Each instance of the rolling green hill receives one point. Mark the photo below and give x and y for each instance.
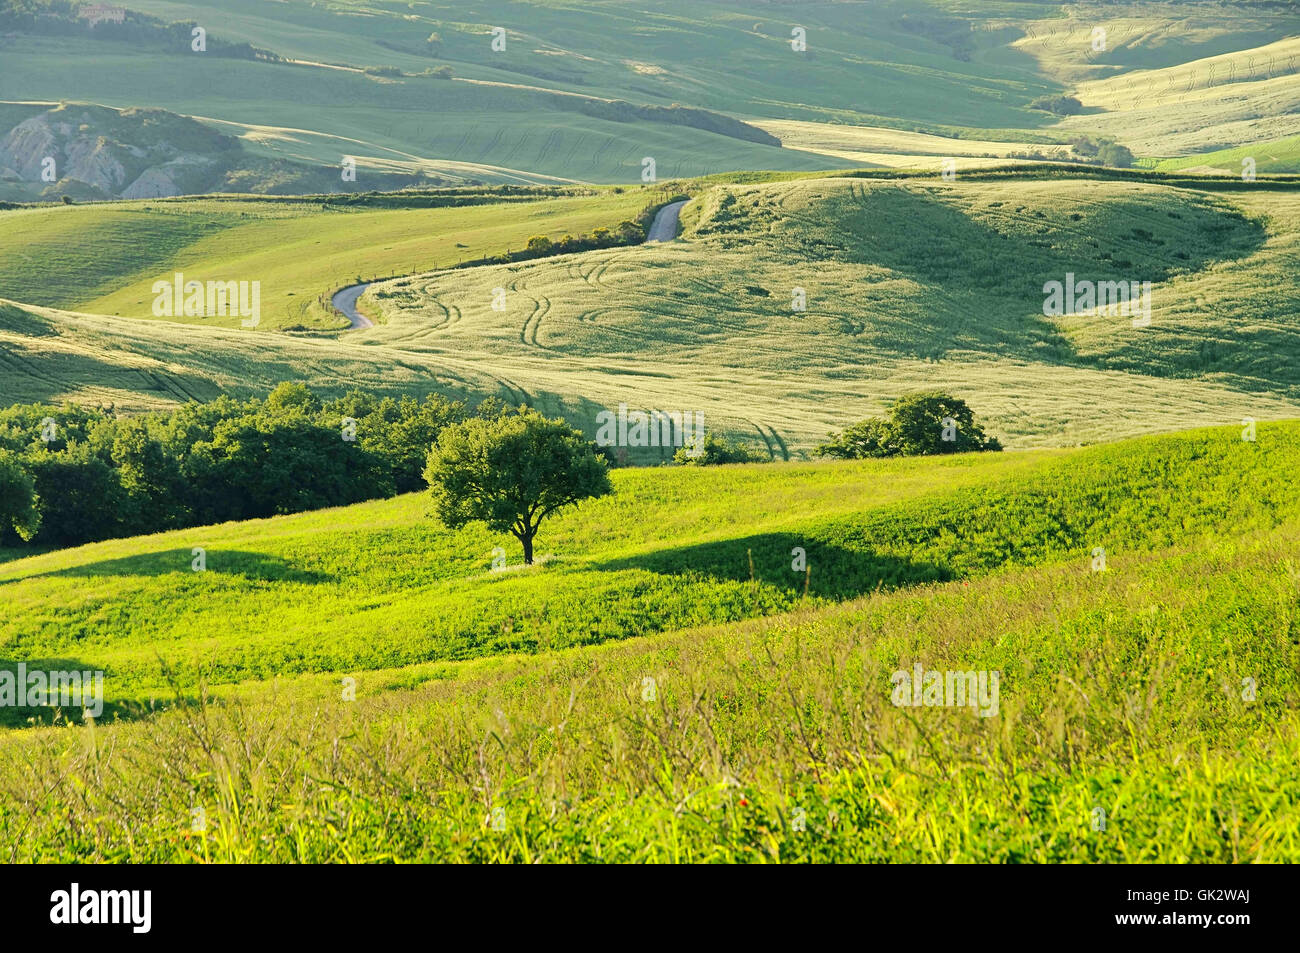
(585, 91)
(653, 558)
(896, 299)
(706, 664)
(1232, 99)
(1281, 155)
(1120, 688)
(106, 258)
(895, 303)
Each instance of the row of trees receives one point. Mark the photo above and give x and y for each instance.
(624, 233)
(73, 475)
(95, 475)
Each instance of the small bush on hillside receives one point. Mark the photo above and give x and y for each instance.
(718, 450)
(1105, 152)
(1113, 154)
(1060, 105)
(918, 425)
(539, 246)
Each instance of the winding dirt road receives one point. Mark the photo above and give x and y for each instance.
(664, 226)
(345, 300)
(662, 229)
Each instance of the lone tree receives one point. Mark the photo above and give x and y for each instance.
(512, 472)
(17, 499)
(918, 425)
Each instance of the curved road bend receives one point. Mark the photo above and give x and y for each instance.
(662, 229)
(664, 226)
(345, 300)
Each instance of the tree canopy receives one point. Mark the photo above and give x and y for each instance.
(99, 475)
(512, 472)
(17, 498)
(917, 425)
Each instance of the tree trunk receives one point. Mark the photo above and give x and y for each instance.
(527, 540)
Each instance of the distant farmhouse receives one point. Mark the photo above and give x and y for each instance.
(99, 13)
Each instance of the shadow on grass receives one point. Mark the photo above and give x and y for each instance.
(836, 571)
(993, 263)
(68, 705)
(221, 562)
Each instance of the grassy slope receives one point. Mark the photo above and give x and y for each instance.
(711, 54)
(891, 309)
(335, 591)
(105, 259)
(263, 607)
(870, 146)
(933, 67)
(1223, 101)
(493, 133)
(1119, 690)
(1281, 155)
(1149, 36)
(895, 303)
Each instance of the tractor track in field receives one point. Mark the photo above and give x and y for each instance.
(528, 333)
(775, 446)
(160, 381)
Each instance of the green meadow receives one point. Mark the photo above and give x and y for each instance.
(1241, 97)
(704, 665)
(662, 686)
(383, 584)
(894, 299)
(1281, 155)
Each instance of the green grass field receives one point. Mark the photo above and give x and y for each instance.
(875, 216)
(895, 302)
(1121, 689)
(1241, 98)
(104, 259)
(1282, 155)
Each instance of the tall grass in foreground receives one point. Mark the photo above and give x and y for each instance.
(764, 740)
